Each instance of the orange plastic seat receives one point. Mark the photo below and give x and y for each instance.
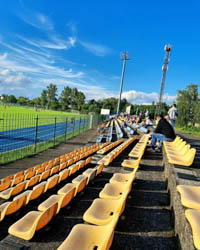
(45, 175)
(52, 182)
(99, 168)
(81, 164)
(33, 181)
(26, 227)
(73, 168)
(55, 170)
(11, 207)
(44, 164)
(88, 160)
(90, 173)
(35, 192)
(17, 180)
(5, 185)
(80, 182)
(64, 174)
(37, 167)
(63, 165)
(49, 166)
(6, 194)
(29, 175)
(19, 174)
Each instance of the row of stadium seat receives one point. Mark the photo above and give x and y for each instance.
(129, 131)
(118, 130)
(179, 153)
(68, 159)
(103, 214)
(110, 146)
(190, 198)
(26, 227)
(23, 199)
(106, 160)
(136, 153)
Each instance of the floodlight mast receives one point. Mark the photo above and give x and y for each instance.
(168, 49)
(123, 56)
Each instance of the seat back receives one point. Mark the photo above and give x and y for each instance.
(38, 190)
(18, 180)
(34, 180)
(100, 168)
(49, 166)
(46, 216)
(6, 184)
(64, 174)
(52, 181)
(55, 169)
(15, 205)
(30, 174)
(45, 174)
(18, 189)
(19, 174)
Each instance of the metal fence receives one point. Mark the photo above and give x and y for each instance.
(23, 134)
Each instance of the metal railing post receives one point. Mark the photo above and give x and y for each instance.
(66, 129)
(36, 132)
(54, 135)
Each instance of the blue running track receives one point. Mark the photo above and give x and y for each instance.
(24, 137)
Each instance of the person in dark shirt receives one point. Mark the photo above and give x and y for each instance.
(163, 132)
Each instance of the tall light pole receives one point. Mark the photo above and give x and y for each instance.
(168, 49)
(123, 56)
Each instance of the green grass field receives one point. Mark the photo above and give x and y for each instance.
(14, 117)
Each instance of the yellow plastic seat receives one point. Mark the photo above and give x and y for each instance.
(114, 191)
(33, 181)
(11, 207)
(85, 237)
(6, 194)
(80, 182)
(181, 152)
(26, 227)
(185, 160)
(123, 178)
(131, 163)
(90, 173)
(35, 192)
(69, 187)
(190, 196)
(45, 175)
(64, 174)
(52, 182)
(193, 216)
(102, 211)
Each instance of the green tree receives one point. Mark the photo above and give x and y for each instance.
(187, 101)
(65, 98)
(22, 100)
(51, 96)
(43, 98)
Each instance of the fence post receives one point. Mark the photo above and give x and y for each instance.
(36, 132)
(66, 129)
(79, 125)
(54, 135)
(83, 124)
(73, 126)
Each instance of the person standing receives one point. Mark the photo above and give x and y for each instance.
(173, 113)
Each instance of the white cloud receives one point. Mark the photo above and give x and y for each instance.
(37, 20)
(96, 49)
(138, 97)
(4, 72)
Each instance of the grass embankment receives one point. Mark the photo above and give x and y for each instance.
(189, 130)
(13, 117)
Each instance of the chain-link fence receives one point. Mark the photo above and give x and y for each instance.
(23, 134)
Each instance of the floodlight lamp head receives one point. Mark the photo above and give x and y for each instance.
(168, 48)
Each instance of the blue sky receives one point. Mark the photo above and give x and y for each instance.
(78, 43)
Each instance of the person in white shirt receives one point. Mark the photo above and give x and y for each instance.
(173, 113)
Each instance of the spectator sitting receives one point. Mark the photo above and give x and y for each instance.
(163, 132)
(148, 122)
